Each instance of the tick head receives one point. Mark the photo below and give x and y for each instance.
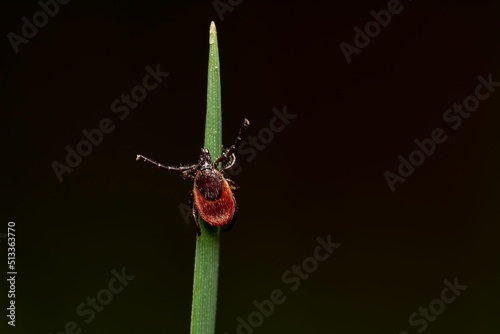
(205, 159)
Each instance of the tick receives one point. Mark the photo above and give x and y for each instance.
(212, 195)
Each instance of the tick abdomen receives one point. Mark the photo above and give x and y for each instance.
(213, 197)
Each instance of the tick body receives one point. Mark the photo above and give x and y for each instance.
(213, 197)
(212, 194)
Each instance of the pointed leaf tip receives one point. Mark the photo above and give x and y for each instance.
(213, 33)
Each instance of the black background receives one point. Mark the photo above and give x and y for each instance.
(322, 175)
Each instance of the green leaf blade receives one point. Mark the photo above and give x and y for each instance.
(206, 269)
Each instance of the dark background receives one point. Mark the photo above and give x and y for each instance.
(322, 175)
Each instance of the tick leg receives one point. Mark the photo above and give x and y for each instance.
(232, 185)
(232, 160)
(187, 171)
(230, 225)
(189, 174)
(194, 214)
(195, 218)
(227, 153)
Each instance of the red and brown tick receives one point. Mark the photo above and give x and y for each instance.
(212, 195)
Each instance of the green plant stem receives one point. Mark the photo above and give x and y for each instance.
(206, 263)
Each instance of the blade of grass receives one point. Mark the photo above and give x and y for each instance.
(206, 263)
